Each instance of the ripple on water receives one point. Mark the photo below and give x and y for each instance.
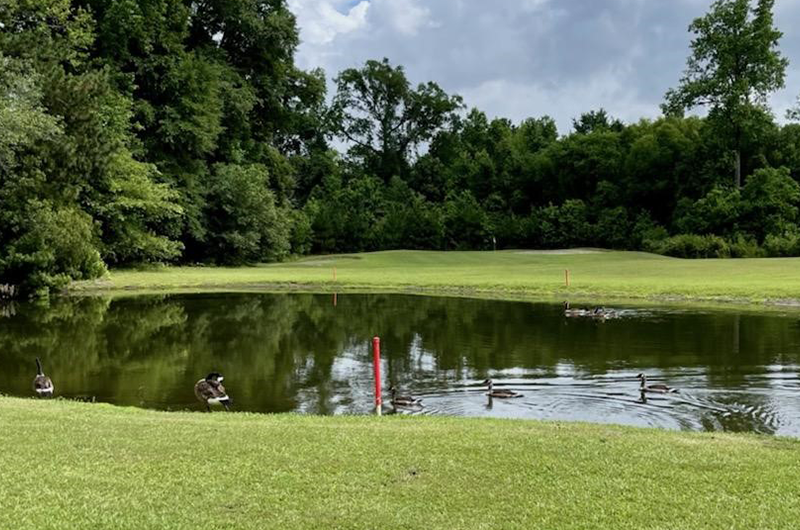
(303, 353)
(612, 398)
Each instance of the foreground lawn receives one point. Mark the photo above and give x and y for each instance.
(74, 465)
(598, 274)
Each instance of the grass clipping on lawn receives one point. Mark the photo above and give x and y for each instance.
(75, 465)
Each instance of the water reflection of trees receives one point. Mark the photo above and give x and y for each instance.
(276, 350)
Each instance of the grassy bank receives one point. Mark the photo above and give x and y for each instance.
(75, 465)
(606, 275)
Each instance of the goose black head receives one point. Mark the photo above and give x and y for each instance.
(214, 376)
(487, 382)
(640, 376)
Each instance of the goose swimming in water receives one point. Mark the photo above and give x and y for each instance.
(403, 401)
(42, 385)
(602, 312)
(568, 311)
(211, 392)
(661, 389)
(502, 394)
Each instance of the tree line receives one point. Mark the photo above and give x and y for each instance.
(142, 131)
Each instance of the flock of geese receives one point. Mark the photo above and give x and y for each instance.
(210, 390)
(585, 312)
(410, 402)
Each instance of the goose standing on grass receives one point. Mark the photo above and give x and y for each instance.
(661, 389)
(211, 392)
(404, 401)
(42, 385)
(502, 394)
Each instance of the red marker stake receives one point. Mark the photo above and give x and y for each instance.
(376, 359)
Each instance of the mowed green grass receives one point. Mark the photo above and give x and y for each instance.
(70, 465)
(603, 274)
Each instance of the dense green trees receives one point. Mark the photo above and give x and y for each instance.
(607, 183)
(214, 83)
(376, 109)
(174, 130)
(244, 223)
(735, 64)
(149, 130)
(72, 190)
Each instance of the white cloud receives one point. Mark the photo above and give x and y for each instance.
(321, 22)
(533, 5)
(405, 16)
(563, 103)
(523, 58)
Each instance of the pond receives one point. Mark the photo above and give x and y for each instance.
(303, 353)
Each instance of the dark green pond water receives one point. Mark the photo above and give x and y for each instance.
(297, 352)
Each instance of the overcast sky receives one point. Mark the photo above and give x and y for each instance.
(522, 58)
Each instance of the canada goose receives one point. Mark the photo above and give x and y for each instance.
(404, 401)
(602, 312)
(502, 394)
(211, 392)
(568, 311)
(661, 389)
(42, 385)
